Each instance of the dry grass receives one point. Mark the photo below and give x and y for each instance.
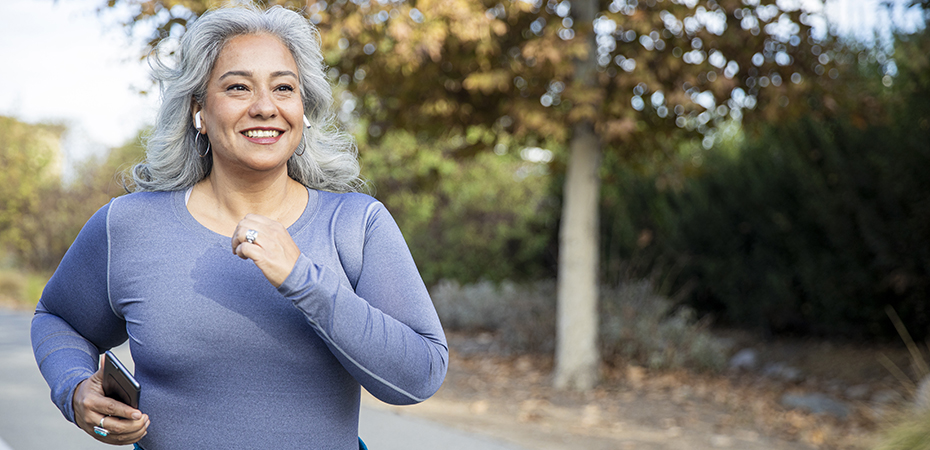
(910, 428)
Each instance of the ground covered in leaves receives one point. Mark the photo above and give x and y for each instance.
(510, 397)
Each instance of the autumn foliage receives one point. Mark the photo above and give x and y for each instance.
(769, 173)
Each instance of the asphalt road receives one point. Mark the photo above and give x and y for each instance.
(29, 420)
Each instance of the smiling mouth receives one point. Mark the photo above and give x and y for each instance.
(261, 133)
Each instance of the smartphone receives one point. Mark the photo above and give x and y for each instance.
(118, 383)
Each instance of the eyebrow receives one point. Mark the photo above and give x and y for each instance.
(234, 73)
(245, 73)
(283, 73)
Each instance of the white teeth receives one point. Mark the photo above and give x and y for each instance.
(262, 133)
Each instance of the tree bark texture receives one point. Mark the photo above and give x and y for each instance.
(577, 359)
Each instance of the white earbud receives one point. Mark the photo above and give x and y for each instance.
(197, 124)
(307, 122)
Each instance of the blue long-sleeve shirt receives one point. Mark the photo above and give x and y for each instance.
(224, 358)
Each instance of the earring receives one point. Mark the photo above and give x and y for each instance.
(307, 122)
(197, 146)
(197, 124)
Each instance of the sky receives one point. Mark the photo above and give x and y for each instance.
(65, 63)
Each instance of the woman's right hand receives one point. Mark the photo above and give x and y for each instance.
(124, 424)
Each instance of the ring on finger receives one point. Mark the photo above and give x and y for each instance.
(100, 430)
(251, 236)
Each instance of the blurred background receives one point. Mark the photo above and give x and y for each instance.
(762, 172)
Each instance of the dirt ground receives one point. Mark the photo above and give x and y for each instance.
(510, 398)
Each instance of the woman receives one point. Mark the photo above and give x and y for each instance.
(257, 292)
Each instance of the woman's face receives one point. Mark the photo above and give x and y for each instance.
(252, 113)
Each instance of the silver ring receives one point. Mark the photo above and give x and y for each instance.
(101, 421)
(251, 236)
(101, 431)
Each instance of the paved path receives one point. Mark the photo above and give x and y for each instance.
(29, 420)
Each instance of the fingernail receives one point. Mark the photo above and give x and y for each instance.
(136, 415)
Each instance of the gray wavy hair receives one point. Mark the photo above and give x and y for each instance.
(326, 158)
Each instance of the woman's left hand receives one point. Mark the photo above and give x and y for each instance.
(272, 248)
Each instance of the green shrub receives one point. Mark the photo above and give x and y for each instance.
(40, 212)
(467, 218)
(810, 227)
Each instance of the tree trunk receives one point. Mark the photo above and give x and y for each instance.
(576, 340)
(577, 359)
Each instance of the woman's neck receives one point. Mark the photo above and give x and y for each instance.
(219, 203)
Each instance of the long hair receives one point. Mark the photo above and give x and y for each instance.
(326, 158)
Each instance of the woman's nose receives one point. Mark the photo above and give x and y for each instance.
(263, 106)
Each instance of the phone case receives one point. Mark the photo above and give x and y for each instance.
(118, 383)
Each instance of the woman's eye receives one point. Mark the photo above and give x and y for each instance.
(236, 87)
(285, 88)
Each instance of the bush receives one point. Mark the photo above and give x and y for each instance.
(637, 326)
(808, 230)
(40, 212)
(30, 167)
(811, 227)
(467, 218)
(522, 315)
